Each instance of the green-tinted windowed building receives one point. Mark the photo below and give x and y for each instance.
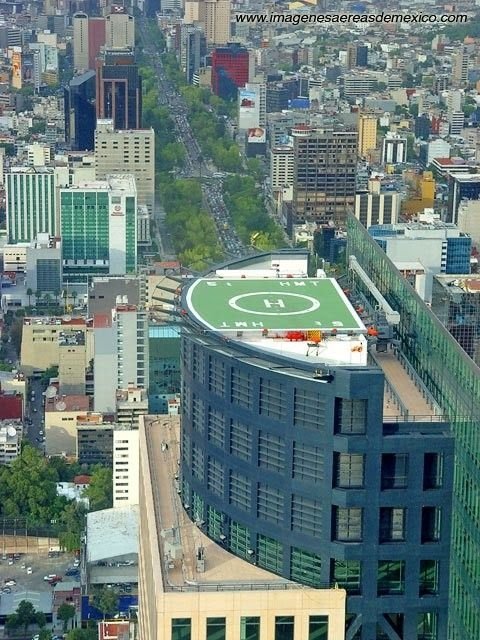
(453, 379)
(99, 228)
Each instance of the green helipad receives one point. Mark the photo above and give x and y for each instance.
(277, 304)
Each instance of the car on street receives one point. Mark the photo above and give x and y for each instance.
(6, 590)
(29, 571)
(9, 582)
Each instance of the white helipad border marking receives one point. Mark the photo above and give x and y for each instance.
(315, 304)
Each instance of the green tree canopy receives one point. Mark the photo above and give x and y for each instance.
(100, 489)
(65, 613)
(106, 601)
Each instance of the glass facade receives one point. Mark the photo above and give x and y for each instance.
(216, 628)
(284, 627)
(31, 205)
(318, 628)
(453, 379)
(250, 628)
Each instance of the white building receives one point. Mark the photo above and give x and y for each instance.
(126, 470)
(121, 348)
(281, 167)
(438, 148)
(468, 219)
(10, 440)
(252, 106)
(394, 149)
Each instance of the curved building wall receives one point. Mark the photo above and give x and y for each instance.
(285, 470)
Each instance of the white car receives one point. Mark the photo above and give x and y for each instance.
(10, 583)
(29, 571)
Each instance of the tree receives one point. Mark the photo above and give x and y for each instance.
(47, 299)
(29, 294)
(65, 613)
(100, 489)
(82, 634)
(45, 634)
(51, 372)
(106, 601)
(40, 619)
(26, 614)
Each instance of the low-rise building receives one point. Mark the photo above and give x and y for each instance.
(61, 416)
(10, 440)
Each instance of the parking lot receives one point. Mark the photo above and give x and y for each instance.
(41, 566)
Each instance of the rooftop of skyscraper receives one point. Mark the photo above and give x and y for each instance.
(191, 560)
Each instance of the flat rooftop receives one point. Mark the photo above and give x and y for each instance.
(179, 538)
(278, 304)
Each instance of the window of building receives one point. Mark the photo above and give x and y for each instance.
(394, 470)
(181, 629)
(348, 470)
(240, 440)
(431, 524)
(284, 627)
(308, 409)
(306, 515)
(347, 574)
(432, 471)
(305, 567)
(429, 574)
(250, 628)
(240, 491)
(197, 462)
(216, 427)
(350, 416)
(198, 414)
(269, 554)
(215, 476)
(271, 451)
(427, 625)
(318, 628)
(391, 577)
(239, 539)
(308, 462)
(269, 503)
(216, 376)
(347, 524)
(242, 388)
(392, 524)
(272, 399)
(216, 628)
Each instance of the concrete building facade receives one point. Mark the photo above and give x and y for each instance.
(127, 152)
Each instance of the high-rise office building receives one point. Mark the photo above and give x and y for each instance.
(119, 31)
(119, 88)
(461, 186)
(79, 101)
(367, 133)
(31, 203)
(121, 347)
(130, 151)
(324, 174)
(281, 167)
(378, 205)
(80, 41)
(460, 64)
(192, 50)
(394, 149)
(299, 456)
(99, 228)
(125, 466)
(190, 586)
(452, 378)
(213, 16)
(230, 67)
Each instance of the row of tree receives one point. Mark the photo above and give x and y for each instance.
(192, 229)
(252, 222)
(28, 492)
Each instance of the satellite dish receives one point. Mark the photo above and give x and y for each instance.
(11, 431)
(60, 406)
(51, 392)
